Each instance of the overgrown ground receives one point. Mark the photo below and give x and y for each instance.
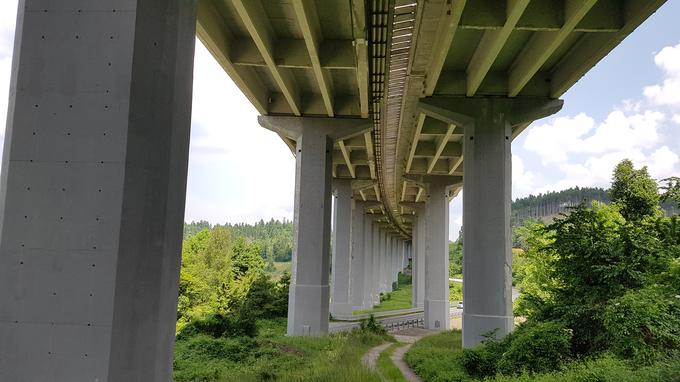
(271, 356)
(439, 358)
(401, 298)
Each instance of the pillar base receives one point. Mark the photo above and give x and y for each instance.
(474, 325)
(437, 314)
(306, 313)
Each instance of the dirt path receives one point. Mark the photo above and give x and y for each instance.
(371, 357)
(397, 358)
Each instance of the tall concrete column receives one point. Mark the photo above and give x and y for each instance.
(358, 264)
(93, 189)
(383, 262)
(437, 257)
(308, 301)
(487, 260)
(419, 257)
(369, 289)
(376, 283)
(342, 246)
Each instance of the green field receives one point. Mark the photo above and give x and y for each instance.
(395, 300)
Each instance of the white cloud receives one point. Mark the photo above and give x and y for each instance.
(238, 171)
(523, 182)
(676, 118)
(555, 141)
(667, 93)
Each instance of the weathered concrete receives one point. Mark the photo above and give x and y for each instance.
(487, 260)
(342, 246)
(375, 284)
(437, 256)
(308, 302)
(357, 256)
(419, 234)
(93, 189)
(369, 287)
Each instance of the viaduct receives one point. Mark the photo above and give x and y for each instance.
(390, 107)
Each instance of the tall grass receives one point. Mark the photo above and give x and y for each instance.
(271, 356)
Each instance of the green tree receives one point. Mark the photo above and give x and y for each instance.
(671, 190)
(634, 191)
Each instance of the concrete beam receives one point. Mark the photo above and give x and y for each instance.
(335, 128)
(254, 18)
(446, 30)
(491, 44)
(543, 44)
(305, 12)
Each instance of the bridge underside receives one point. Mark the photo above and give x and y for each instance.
(392, 106)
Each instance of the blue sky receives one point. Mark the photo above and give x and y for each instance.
(627, 106)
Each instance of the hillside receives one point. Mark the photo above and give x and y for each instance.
(546, 206)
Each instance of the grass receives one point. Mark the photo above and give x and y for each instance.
(387, 368)
(437, 358)
(271, 356)
(279, 268)
(398, 299)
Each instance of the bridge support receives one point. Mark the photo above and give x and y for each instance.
(342, 246)
(487, 258)
(357, 256)
(376, 281)
(437, 305)
(308, 302)
(93, 190)
(418, 261)
(369, 289)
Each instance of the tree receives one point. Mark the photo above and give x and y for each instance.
(634, 191)
(671, 190)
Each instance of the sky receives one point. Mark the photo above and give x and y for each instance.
(628, 106)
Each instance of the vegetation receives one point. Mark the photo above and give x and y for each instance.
(387, 369)
(439, 358)
(400, 298)
(272, 356)
(600, 289)
(274, 238)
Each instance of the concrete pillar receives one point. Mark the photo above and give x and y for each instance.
(342, 245)
(376, 283)
(487, 269)
(383, 262)
(437, 258)
(308, 301)
(419, 258)
(369, 288)
(93, 189)
(357, 266)
(309, 295)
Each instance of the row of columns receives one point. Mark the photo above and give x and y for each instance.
(93, 188)
(359, 245)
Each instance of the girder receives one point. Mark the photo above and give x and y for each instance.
(379, 59)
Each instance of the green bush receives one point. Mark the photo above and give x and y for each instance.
(372, 326)
(482, 361)
(217, 325)
(643, 322)
(536, 348)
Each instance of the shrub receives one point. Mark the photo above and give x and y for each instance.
(240, 323)
(643, 322)
(482, 361)
(536, 348)
(372, 326)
